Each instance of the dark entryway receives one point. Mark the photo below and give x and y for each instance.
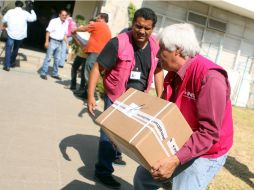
(45, 10)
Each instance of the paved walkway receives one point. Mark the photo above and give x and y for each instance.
(47, 139)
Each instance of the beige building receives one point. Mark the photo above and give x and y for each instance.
(225, 29)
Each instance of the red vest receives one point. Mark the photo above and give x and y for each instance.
(115, 80)
(189, 91)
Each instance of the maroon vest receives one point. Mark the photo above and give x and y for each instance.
(189, 91)
(115, 80)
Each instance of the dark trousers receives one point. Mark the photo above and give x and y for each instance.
(79, 61)
(107, 153)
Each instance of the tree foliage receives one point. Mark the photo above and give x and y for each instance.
(131, 11)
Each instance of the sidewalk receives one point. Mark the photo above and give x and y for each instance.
(47, 139)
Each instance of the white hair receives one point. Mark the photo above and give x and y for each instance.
(180, 36)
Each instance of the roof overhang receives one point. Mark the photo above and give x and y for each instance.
(240, 7)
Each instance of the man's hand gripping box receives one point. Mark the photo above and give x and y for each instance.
(144, 127)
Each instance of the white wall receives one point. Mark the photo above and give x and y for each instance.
(118, 13)
(232, 49)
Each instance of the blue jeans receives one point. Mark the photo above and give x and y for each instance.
(11, 51)
(63, 53)
(195, 175)
(107, 153)
(90, 61)
(53, 49)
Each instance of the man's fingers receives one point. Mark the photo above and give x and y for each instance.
(91, 109)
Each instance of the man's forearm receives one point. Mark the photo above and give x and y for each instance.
(158, 81)
(32, 16)
(47, 37)
(82, 29)
(94, 77)
(66, 40)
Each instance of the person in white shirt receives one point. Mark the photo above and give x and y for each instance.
(56, 33)
(16, 22)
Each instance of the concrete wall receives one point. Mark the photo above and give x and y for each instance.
(85, 8)
(118, 13)
(233, 48)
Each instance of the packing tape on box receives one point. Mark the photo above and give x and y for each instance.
(133, 111)
(145, 119)
(119, 105)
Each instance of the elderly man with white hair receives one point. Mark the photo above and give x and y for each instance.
(201, 90)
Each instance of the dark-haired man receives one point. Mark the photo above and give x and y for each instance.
(129, 60)
(16, 21)
(55, 35)
(99, 35)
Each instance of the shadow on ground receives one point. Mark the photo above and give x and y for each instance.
(50, 70)
(86, 146)
(65, 83)
(20, 57)
(85, 110)
(239, 170)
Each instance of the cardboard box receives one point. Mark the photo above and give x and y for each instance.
(82, 38)
(144, 127)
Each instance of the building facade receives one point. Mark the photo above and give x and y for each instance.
(225, 31)
(224, 28)
(225, 37)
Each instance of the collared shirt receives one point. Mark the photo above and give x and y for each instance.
(57, 28)
(210, 104)
(16, 20)
(177, 80)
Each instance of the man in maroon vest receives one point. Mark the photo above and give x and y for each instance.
(201, 90)
(128, 61)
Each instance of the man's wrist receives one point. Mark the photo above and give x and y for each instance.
(176, 160)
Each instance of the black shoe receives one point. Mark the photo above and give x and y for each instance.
(72, 87)
(56, 77)
(78, 92)
(13, 66)
(119, 161)
(44, 77)
(6, 69)
(108, 181)
(60, 66)
(81, 94)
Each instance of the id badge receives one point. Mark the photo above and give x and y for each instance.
(135, 75)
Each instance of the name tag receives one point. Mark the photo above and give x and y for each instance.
(135, 75)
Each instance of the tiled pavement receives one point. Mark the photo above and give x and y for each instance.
(47, 139)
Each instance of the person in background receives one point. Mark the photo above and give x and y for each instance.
(55, 35)
(64, 51)
(201, 90)
(53, 13)
(16, 30)
(99, 35)
(79, 60)
(127, 61)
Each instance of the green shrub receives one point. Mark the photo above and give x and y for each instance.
(80, 20)
(100, 87)
(131, 11)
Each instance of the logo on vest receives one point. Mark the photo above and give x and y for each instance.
(189, 95)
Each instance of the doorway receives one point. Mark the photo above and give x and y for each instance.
(45, 10)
